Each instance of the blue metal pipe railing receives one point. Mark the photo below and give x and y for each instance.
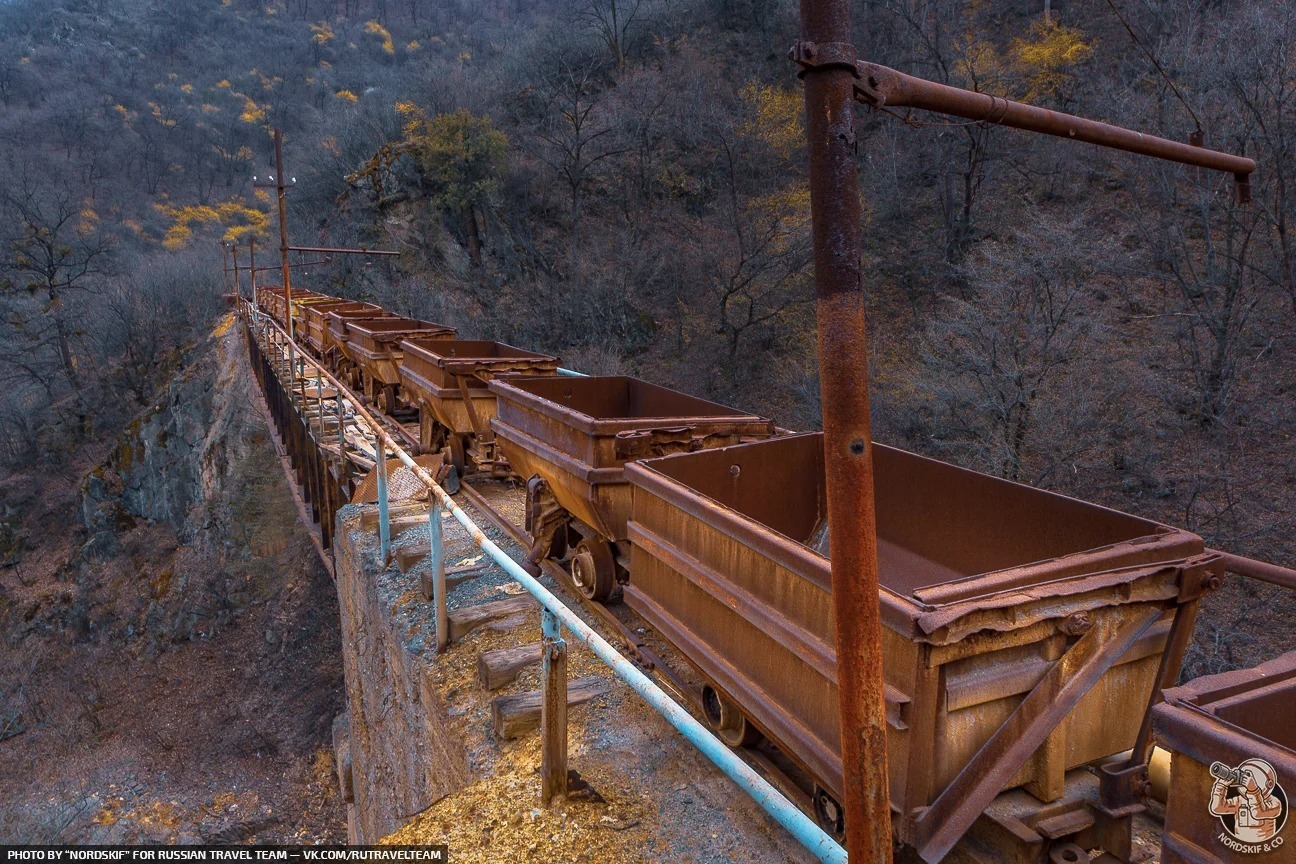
(787, 814)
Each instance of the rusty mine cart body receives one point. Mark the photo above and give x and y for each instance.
(573, 437)
(448, 379)
(1213, 726)
(373, 346)
(995, 597)
(318, 335)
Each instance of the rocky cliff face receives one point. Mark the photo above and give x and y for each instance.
(171, 660)
(179, 454)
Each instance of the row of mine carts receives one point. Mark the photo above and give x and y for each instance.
(1027, 636)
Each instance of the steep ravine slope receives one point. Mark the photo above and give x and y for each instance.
(171, 667)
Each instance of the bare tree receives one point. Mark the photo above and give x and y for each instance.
(576, 136)
(54, 252)
(1011, 371)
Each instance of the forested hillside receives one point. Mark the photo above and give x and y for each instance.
(623, 182)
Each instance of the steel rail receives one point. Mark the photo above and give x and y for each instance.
(801, 827)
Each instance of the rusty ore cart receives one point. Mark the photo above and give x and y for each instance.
(374, 345)
(318, 334)
(1213, 727)
(1022, 630)
(573, 436)
(302, 307)
(339, 337)
(447, 378)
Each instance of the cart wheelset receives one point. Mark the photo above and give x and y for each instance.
(593, 569)
(727, 720)
(829, 814)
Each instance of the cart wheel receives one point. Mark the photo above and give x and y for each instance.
(389, 399)
(457, 457)
(730, 724)
(828, 813)
(594, 569)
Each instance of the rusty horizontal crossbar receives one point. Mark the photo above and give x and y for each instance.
(330, 250)
(883, 87)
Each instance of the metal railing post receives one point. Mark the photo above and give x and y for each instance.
(384, 515)
(436, 591)
(553, 711)
(341, 412)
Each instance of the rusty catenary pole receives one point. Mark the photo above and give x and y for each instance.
(848, 447)
(283, 228)
(252, 265)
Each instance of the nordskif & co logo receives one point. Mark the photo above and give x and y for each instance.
(1251, 805)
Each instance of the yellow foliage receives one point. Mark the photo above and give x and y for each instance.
(465, 56)
(1046, 56)
(330, 145)
(409, 109)
(239, 221)
(412, 45)
(378, 30)
(89, 218)
(122, 110)
(322, 33)
(209, 108)
(788, 208)
(224, 82)
(775, 118)
(223, 326)
(162, 120)
(186, 88)
(252, 112)
(347, 96)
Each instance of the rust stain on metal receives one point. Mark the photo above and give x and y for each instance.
(1214, 727)
(984, 584)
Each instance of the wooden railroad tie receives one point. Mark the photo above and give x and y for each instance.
(469, 618)
(502, 666)
(517, 715)
(399, 524)
(455, 577)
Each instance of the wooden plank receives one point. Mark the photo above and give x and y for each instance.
(451, 582)
(553, 722)
(501, 666)
(469, 618)
(517, 715)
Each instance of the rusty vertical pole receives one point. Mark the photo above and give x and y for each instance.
(283, 228)
(828, 59)
(252, 265)
(237, 287)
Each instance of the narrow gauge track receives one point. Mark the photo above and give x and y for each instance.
(764, 758)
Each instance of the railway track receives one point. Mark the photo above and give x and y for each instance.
(358, 452)
(765, 760)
